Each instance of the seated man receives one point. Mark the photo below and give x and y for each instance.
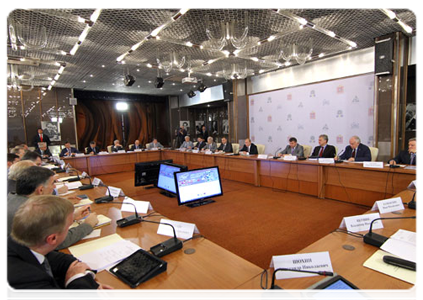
(41, 181)
(187, 144)
(10, 159)
(155, 145)
(211, 145)
(293, 149)
(19, 151)
(249, 148)
(34, 157)
(356, 151)
(116, 146)
(407, 157)
(68, 151)
(40, 225)
(14, 172)
(92, 148)
(200, 143)
(324, 150)
(135, 146)
(225, 146)
(43, 150)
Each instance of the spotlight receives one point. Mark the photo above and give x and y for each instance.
(191, 94)
(159, 82)
(129, 80)
(202, 87)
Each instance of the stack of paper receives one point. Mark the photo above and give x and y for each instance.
(102, 221)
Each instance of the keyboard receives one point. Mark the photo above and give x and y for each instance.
(138, 268)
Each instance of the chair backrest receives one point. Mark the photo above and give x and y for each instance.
(55, 150)
(307, 150)
(374, 152)
(109, 148)
(130, 145)
(147, 145)
(218, 145)
(260, 148)
(86, 149)
(235, 148)
(336, 150)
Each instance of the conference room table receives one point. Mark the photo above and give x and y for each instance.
(349, 182)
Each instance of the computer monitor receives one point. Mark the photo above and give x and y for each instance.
(166, 180)
(195, 186)
(147, 173)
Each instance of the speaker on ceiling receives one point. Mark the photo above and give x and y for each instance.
(129, 80)
(227, 91)
(159, 82)
(384, 51)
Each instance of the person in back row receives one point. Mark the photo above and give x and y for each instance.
(225, 146)
(324, 150)
(92, 149)
(356, 151)
(41, 181)
(155, 145)
(249, 148)
(407, 157)
(293, 149)
(39, 226)
(11, 159)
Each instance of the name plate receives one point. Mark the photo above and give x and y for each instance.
(96, 181)
(326, 160)
(262, 156)
(388, 205)
(373, 164)
(141, 206)
(195, 151)
(115, 192)
(412, 185)
(79, 154)
(317, 261)
(137, 150)
(361, 222)
(208, 152)
(183, 230)
(103, 153)
(290, 157)
(154, 148)
(121, 151)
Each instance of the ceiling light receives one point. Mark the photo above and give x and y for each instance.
(103, 66)
(389, 13)
(271, 38)
(74, 49)
(331, 33)
(81, 20)
(407, 28)
(189, 44)
(321, 54)
(183, 11)
(254, 58)
(121, 106)
(149, 65)
(156, 31)
(56, 77)
(84, 33)
(95, 15)
(122, 57)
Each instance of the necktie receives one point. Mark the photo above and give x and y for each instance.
(41, 137)
(47, 268)
(353, 153)
(292, 150)
(412, 158)
(321, 152)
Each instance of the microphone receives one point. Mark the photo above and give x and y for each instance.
(131, 220)
(168, 246)
(339, 160)
(412, 203)
(104, 199)
(86, 186)
(275, 292)
(276, 157)
(375, 239)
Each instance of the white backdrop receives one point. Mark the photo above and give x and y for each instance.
(339, 108)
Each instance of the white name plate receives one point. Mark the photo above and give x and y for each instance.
(361, 222)
(79, 154)
(412, 185)
(115, 192)
(388, 205)
(317, 261)
(208, 152)
(183, 230)
(137, 150)
(373, 164)
(121, 151)
(326, 160)
(141, 206)
(96, 181)
(103, 153)
(262, 156)
(290, 157)
(195, 151)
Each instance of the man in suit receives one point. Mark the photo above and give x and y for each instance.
(14, 172)
(200, 143)
(180, 135)
(204, 133)
(155, 145)
(92, 148)
(225, 146)
(293, 149)
(40, 138)
(43, 151)
(34, 157)
(40, 225)
(11, 159)
(34, 181)
(135, 146)
(249, 148)
(211, 145)
(68, 151)
(116, 146)
(187, 144)
(324, 150)
(406, 157)
(356, 151)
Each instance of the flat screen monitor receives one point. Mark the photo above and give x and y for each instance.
(147, 173)
(193, 187)
(166, 180)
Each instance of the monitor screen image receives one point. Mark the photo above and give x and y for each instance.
(147, 173)
(166, 179)
(197, 185)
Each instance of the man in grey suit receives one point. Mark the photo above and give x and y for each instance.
(155, 145)
(187, 144)
(211, 145)
(293, 148)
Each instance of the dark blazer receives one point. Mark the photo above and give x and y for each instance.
(116, 149)
(200, 145)
(253, 149)
(46, 152)
(404, 158)
(133, 147)
(228, 147)
(362, 153)
(205, 134)
(64, 150)
(329, 151)
(37, 140)
(25, 272)
(95, 150)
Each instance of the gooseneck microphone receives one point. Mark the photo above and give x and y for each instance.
(275, 292)
(412, 203)
(168, 246)
(87, 186)
(340, 160)
(276, 157)
(104, 199)
(375, 239)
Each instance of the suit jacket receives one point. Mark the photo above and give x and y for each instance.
(24, 271)
(362, 153)
(64, 150)
(404, 157)
(94, 150)
(298, 150)
(46, 152)
(37, 140)
(200, 145)
(152, 146)
(186, 144)
(116, 149)
(253, 149)
(226, 148)
(212, 147)
(329, 151)
(204, 134)
(133, 147)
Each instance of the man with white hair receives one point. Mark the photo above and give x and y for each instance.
(356, 151)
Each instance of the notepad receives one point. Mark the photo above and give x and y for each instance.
(102, 221)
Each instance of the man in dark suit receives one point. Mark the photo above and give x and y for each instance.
(356, 151)
(40, 138)
(201, 143)
(180, 135)
(249, 148)
(92, 148)
(43, 151)
(68, 151)
(116, 146)
(406, 157)
(204, 133)
(324, 150)
(225, 146)
(135, 146)
(40, 224)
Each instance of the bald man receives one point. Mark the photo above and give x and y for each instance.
(356, 151)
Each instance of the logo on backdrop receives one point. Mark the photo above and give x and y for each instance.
(339, 114)
(340, 89)
(340, 139)
(325, 128)
(326, 102)
(371, 111)
(289, 97)
(299, 127)
(279, 128)
(279, 107)
(370, 140)
(270, 140)
(355, 125)
(252, 120)
(261, 109)
(269, 100)
(300, 105)
(312, 115)
(289, 118)
(252, 102)
(260, 128)
(312, 139)
(312, 94)
(355, 100)
(269, 118)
